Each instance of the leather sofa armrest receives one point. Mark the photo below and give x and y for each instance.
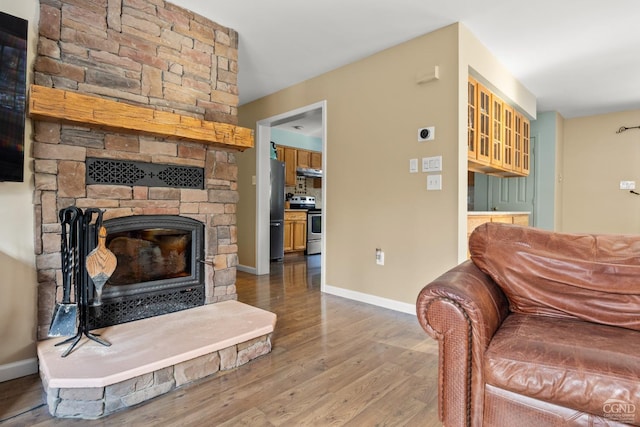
(462, 309)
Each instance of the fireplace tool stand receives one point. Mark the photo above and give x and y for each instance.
(83, 239)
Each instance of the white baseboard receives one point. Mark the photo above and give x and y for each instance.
(21, 368)
(247, 269)
(402, 307)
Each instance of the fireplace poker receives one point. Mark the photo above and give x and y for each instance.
(65, 316)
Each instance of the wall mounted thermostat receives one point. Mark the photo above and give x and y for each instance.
(427, 134)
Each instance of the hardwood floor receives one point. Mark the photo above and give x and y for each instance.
(334, 362)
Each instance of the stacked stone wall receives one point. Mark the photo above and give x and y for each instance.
(149, 53)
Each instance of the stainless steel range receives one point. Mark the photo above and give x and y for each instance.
(314, 222)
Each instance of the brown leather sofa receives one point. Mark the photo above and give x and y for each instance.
(538, 329)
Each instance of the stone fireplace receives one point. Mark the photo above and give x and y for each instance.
(160, 268)
(174, 75)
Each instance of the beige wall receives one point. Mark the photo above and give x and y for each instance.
(595, 160)
(374, 109)
(17, 260)
(246, 209)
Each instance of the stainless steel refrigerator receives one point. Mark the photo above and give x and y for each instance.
(277, 210)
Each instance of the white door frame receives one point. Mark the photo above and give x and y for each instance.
(263, 181)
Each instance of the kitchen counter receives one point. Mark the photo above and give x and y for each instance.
(485, 213)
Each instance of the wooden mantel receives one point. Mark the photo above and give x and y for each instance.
(63, 106)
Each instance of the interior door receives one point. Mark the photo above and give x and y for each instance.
(515, 194)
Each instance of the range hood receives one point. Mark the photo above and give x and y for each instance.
(309, 172)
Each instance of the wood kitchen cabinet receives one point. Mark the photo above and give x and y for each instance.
(507, 140)
(472, 114)
(497, 132)
(295, 230)
(521, 144)
(484, 125)
(316, 163)
(498, 141)
(309, 159)
(297, 158)
(526, 147)
(316, 160)
(304, 159)
(517, 142)
(290, 165)
(280, 153)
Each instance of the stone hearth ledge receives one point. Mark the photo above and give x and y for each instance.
(150, 357)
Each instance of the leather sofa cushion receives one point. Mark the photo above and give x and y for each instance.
(567, 362)
(585, 276)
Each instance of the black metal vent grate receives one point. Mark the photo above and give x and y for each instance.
(128, 309)
(125, 172)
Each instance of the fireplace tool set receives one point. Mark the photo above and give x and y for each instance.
(87, 264)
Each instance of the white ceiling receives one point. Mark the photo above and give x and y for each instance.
(579, 57)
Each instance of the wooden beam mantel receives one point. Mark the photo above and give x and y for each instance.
(63, 106)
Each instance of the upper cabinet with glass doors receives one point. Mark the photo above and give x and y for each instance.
(498, 135)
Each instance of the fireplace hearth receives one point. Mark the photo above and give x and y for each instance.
(160, 268)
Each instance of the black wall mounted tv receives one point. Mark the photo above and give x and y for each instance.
(13, 59)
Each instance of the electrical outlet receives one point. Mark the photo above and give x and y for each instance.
(379, 256)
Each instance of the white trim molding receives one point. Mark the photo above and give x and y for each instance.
(21, 368)
(402, 307)
(246, 269)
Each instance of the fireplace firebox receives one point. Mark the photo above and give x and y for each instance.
(159, 271)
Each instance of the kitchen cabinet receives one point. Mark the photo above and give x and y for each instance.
(497, 132)
(316, 160)
(483, 135)
(521, 144)
(304, 159)
(309, 159)
(498, 140)
(290, 165)
(507, 140)
(298, 158)
(526, 147)
(472, 114)
(316, 163)
(295, 230)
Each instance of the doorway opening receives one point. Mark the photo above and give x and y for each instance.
(263, 156)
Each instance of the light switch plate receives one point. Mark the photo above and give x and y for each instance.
(413, 165)
(432, 164)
